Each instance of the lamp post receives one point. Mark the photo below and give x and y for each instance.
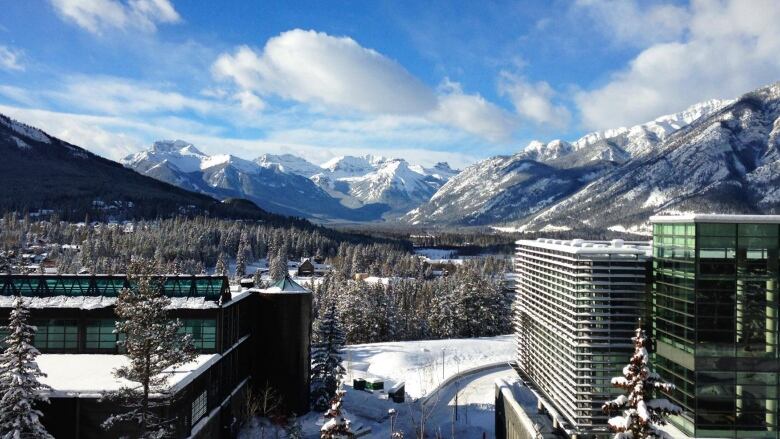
(442, 363)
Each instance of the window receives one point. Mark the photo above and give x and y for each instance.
(199, 407)
(57, 334)
(100, 334)
(203, 331)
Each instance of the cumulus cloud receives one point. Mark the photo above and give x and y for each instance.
(309, 66)
(634, 23)
(97, 16)
(319, 69)
(10, 59)
(472, 113)
(728, 49)
(534, 100)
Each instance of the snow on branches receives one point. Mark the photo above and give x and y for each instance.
(642, 415)
(337, 426)
(154, 344)
(326, 368)
(19, 386)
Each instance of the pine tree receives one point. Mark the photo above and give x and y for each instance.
(641, 415)
(153, 344)
(277, 268)
(221, 268)
(326, 368)
(19, 384)
(241, 254)
(337, 426)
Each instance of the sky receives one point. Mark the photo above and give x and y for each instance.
(428, 81)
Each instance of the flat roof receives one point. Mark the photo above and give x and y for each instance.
(91, 375)
(716, 218)
(582, 246)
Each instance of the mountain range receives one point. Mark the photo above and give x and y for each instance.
(40, 172)
(715, 156)
(347, 188)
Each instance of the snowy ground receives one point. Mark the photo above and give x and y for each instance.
(419, 364)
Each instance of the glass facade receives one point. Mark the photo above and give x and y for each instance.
(99, 334)
(203, 331)
(55, 334)
(715, 324)
(36, 285)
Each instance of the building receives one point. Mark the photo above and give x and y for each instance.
(715, 308)
(236, 333)
(576, 307)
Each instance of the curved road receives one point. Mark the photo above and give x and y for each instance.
(476, 405)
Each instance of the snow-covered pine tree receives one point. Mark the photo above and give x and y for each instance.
(221, 268)
(154, 344)
(642, 414)
(337, 426)
(19, 384)
(326, 368)
(277, 268)
(241, 255)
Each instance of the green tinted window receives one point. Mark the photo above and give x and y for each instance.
(100, 334)
(710, 229)
(57, 334)
(203, 331)
(769, 230)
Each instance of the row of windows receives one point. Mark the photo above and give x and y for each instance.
(57, 334)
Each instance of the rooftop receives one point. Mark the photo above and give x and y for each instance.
(287, 286)
(716, 218)
(581, 246)
(90, 375)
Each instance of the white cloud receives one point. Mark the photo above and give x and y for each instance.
(314, 67)
(534, 101)
(10, 59)
(117, 136)
(729, 49)
(98, 16)
(318, 69)
(631, 22)
(472, 113)
(111, 95)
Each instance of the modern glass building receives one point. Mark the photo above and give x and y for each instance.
(715, 307)
(576, 309)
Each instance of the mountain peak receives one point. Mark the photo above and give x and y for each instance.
(175, 146)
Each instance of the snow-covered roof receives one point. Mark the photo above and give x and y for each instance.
(581, 246)
(95, 302)
(286, 286)
(90, 375)
(715, 218)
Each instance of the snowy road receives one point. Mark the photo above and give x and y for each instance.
(476, 405)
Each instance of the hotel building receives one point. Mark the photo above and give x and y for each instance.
(577, 306)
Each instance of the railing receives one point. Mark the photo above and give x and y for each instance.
(109, 285)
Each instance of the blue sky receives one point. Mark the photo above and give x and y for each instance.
(429, 81)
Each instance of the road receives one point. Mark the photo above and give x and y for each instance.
(476, 405)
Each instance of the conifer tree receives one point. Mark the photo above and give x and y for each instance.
(19, 385)
(154, 344)
(241, 255)
(221, 268)
(278, 265)
(326, 368)
(642, 414)
(337, 426)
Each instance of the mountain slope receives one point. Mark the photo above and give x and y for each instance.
(42, 172)
(511, 188)
(728, 161)
(271, 185)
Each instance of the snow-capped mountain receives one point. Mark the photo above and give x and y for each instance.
(270, 184)
(344, 188)
(289, 163)
(726, 161)
(509, 188)
(372, 179)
